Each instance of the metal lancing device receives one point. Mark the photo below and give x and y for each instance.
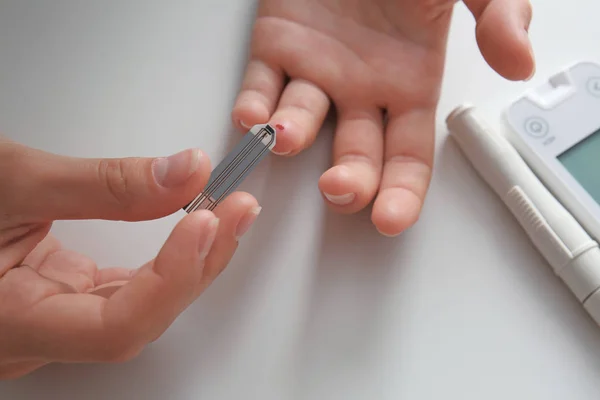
(235, 167)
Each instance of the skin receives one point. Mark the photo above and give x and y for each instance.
(55, 304)
(379, 62)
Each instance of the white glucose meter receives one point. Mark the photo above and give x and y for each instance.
(556, 129)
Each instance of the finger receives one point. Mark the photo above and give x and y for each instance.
(154, 303)
(351, 184)
(502, 35)
(45, 186)
(299, 117)
(237, 214)
(162, 290)
(407, 171)
(259, 95)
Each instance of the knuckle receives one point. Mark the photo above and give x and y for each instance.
(357, 156)
(416, 162)
(112, 173)
(302, 108)
(261, 93)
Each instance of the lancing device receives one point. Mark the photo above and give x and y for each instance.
(562, 241)
(235, 167)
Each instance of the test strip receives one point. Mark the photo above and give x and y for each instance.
(235, 167)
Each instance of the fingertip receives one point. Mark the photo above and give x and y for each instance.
(258, 97)
(237, 213)
(342, 190)
(395, 210)
(181, 175)
(238, 199)
(194, 233)
(248, 112)
(302, 110)
(174, 181)
(181, 246)
(198, 219)
(503, 39)
(512, 58)
(203, 167)
(196, 182)
(233, 209)
(290, 138)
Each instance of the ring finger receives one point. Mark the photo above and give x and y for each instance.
(352, 183)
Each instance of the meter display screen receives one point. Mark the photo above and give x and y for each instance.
(583, 162)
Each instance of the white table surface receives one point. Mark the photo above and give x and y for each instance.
(314, 305)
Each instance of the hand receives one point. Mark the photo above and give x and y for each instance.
(55, 304)
(380, 62)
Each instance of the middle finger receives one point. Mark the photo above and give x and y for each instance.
(352, 183)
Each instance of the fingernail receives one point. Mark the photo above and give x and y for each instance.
(245, 125)
(341, 200)
(246, 222)
(208, 238)
(389, 235)
(283, 153)
(175, 170)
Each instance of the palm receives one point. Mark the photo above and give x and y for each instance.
(50, 289)
(364, 55)
(53, 271)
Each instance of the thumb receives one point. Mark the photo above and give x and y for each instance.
(39, 186)
(502, 36)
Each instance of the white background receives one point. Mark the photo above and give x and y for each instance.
(314, 305)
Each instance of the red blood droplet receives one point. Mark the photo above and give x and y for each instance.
(280, 127)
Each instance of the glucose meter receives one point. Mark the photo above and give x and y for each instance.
(556, 129)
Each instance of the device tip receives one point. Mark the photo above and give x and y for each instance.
(457, 111)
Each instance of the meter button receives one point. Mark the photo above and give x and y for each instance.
(593, 86)
(536, 127)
